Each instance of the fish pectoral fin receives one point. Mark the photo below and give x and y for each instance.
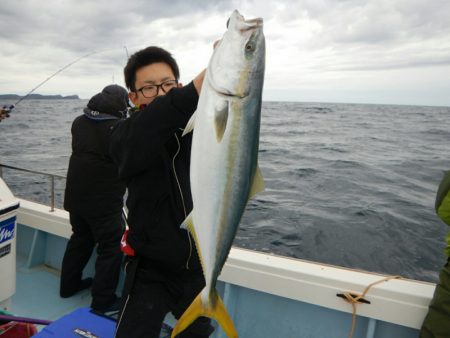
(258, 183)
(189, 126)
(220, 119)
(215, 309)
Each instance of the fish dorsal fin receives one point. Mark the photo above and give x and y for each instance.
(220, 119)
(190, 125)
(258, 183)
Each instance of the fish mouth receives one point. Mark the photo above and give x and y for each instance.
(250, 25)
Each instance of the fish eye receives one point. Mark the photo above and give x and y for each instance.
(250, 47)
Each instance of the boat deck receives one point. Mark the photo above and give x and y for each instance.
(36, 293)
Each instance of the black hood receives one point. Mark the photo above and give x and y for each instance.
(113, 100)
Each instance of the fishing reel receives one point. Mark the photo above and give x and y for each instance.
(6, 109)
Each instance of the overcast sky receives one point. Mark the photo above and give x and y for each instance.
(374, 51)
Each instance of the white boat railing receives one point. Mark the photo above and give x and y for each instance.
(51, 176)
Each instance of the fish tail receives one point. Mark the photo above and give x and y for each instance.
(215, 309)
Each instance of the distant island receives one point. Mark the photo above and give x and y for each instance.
(38, 97)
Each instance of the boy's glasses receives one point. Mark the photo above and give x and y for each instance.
(150, 91)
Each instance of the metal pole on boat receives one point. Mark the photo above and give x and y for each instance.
(52, 194)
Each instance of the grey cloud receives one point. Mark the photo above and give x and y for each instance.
(88, 25)
(370, 22)
(373, 35)
(38, 37)
(398, 64)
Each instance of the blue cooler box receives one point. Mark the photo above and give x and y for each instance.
(80, 323)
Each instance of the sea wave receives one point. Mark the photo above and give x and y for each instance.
(346, 184)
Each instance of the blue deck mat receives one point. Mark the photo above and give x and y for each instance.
(87, 324)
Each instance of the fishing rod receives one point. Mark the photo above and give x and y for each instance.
(8, 108)
(53, 75)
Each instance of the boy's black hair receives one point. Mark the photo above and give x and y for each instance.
(144, 58)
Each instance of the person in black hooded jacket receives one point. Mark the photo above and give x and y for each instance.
(94, 198)
(163, 272)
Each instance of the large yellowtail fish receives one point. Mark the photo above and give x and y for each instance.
(224, 158)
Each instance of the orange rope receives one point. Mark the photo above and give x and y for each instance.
(353, 300)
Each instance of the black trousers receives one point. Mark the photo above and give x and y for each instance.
(106, 231)
(150, 294)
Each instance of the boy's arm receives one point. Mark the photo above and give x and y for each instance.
(198, 81)
(136, 141)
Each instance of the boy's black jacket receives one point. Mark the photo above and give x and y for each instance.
(154, 159)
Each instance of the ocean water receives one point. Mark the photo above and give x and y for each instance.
(347, 184)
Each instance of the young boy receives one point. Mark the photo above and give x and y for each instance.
(163, 271)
